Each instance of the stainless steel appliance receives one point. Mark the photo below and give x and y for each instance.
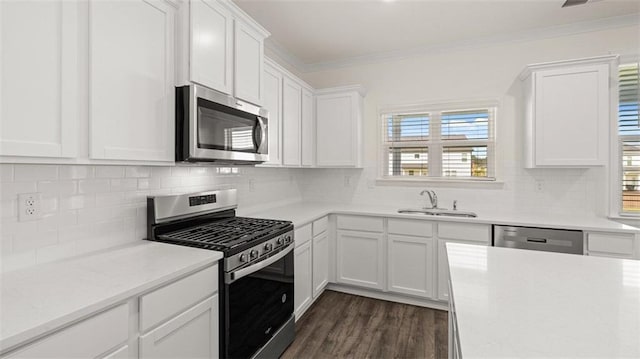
(256, 276)
(539, 239)
(214, 127)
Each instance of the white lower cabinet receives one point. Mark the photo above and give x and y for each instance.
(91, 338)
(617, 245)
(120, 353)
(410, 265)
(320, 263)
(443, 271)
(192, 334)
(178, 320)
(303, 290)
(360, 259)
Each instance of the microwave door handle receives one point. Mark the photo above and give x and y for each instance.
(259, 139)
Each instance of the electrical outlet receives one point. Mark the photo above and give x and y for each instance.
(252, 185)
(347, 181)
(29, 207)
(539, 186)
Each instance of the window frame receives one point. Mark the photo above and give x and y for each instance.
(435, 144)
(616, 194)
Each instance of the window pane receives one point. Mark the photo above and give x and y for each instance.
(629, 97)
(631, 176)
(407, 127)
(465, 125)
(408, 161)
(464, 161)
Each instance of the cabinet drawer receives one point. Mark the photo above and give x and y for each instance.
(320, 226)
(610, 243)
(358, 223)
(166, 302)
(87, 339)
(192, 334)
(302, 235)
(464, 231)
(410, 227)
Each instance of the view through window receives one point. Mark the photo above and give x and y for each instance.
(629, 136)
(451, 144)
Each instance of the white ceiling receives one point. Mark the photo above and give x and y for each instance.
(313, 33)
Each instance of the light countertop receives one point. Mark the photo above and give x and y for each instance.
(519, 303)
(301, 213)
(36, 300)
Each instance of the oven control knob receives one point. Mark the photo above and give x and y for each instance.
(279, 241)
(268, 247)
(253, 254)
(243, 257)
(288, 238)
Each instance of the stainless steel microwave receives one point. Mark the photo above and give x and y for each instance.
(214, 127)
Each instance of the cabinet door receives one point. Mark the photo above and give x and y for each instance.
(308, 129)
(336, 130)
(131, 92)
(211, 45)
(122, 353)
(572, 116)
(249, 47)
(39, 62)
(411, 265)
(303, 284)
(361, 259)
(192, 334)
(443, 271)
(291, 112)
(273, 103)
(320, 263)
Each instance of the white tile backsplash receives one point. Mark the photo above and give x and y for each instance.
(89, 208)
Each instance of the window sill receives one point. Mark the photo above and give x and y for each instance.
(623, 216)
(438, 182)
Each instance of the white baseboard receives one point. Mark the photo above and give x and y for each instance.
(391, 297)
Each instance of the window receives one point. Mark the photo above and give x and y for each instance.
(629, 137)
(446, 143)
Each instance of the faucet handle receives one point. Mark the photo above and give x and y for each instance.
(455, 204)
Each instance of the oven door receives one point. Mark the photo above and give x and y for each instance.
(224, 129)
(258, 304)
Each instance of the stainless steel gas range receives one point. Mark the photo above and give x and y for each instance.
(256, 306)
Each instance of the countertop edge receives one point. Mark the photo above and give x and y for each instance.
(337, 209)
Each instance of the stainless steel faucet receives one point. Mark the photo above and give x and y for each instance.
(432, 197)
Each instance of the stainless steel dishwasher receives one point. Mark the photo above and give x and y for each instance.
(539, 239)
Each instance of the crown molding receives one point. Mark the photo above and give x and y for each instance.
(520, 36)
(278, 51)
(605, 59)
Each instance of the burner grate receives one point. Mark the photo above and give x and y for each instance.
(225, 234)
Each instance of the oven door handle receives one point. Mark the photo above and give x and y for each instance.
(234, 276)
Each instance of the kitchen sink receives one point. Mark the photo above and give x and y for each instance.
(439, 212)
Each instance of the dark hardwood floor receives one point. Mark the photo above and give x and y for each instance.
(341, 325)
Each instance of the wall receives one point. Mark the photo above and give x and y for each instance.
(487, 72)
(88, 208)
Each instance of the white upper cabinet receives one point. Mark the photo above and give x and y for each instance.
(222, 48)
(273, 104)
(568, 111)
(308, 129)
(131, 69)
(339, 127)
(39, 47)
(211, 45)
(291, 122)
(249, 53)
